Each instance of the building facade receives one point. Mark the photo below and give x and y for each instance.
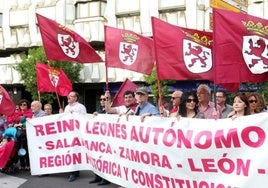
(19, 30)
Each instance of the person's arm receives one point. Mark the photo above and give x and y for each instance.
(108, 108)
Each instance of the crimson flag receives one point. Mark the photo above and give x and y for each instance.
(63, 44)
(181, 53)
(51, 79)
(7, 106)
(128, 50)
(240, 48)
(119, 98)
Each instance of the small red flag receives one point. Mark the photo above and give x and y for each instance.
(240, 48)
(128, 50)
(7, 106)
(119, 98)
(63, 44)
(51, 79)
(181, 53)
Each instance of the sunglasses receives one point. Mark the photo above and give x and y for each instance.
(23, 104)
(190, 100)
(252, 101)
(102, 99)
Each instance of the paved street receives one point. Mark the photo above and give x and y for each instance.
(25, 180)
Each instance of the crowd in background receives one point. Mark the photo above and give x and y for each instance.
(190, 104)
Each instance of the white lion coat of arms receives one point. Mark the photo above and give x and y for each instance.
(197, 58)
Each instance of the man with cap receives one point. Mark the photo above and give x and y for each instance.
(144, 108)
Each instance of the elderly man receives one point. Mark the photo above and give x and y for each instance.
(176, 99)
(205, 105)
(36, 107)
(144, 108)
(48, 109)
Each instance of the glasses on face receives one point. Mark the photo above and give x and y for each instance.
(190, 100)
(102, 99)
(219, 96)
(252, 101)
(175, 98)
(23, 104)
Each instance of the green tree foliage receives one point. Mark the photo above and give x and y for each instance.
(26, 68)
(151, 80)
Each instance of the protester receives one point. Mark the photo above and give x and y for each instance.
(221, 101)
(176, 99)
(36, 107)
(241, 106)
(253, 102)
(188, 106)
(3, 124)
(144, 108)
(48, 109)
(23, 110)
(205, 105)
(74, 106)
(97, 179)
(101, 110)
(261, 103)
(18, 120)
(129, 106)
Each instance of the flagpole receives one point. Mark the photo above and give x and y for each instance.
(39, 97)
(106, 67)
(213, 64)
(156, 69)
(58, 99)
(106, 74)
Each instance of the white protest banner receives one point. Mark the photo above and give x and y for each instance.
(160, 152)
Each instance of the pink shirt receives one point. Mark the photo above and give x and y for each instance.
(209, 111)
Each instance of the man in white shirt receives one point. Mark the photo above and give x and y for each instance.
(74, 106)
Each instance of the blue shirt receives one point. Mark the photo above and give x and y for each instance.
(39, 113)
(147, 108)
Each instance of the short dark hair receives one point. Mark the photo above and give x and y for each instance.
(223, 93)
(129, 92)
(77, 95)
(24, 101)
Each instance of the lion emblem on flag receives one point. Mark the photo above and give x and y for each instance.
(68, 45)
(255, 54)
(197, 58)
(128, 53)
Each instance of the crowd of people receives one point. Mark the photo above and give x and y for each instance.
(189, 104)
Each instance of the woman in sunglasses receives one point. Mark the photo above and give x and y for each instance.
(23, 111)
(253, 103)
(18, 120)
(188, 106)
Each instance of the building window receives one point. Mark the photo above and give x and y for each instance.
(89, 9)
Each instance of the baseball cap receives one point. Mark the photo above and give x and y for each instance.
(142, 90)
